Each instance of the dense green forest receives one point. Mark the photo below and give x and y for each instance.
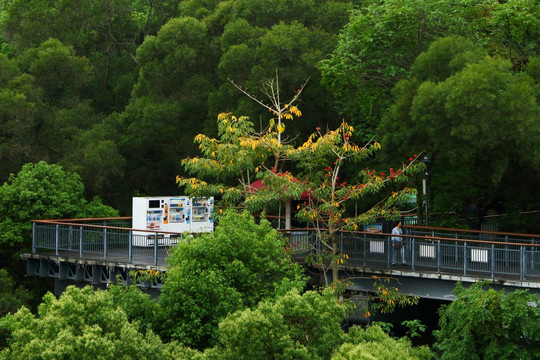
(116, 90)
(101, 101)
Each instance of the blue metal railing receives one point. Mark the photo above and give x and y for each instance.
(489, 255)
(109, 241)
(450, 255)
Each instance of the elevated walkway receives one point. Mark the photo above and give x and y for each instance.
(102, 251)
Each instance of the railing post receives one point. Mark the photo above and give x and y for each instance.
(438, 256)
(456, 256)
(464, 258)
(130, 246)
(105, 243)
(506, 252)
(57, 239)
(492, 261)
(80, 241)
(364, 250)
(389, 247)
(413, 252)
(155, 248)
(341, 243)
(522, 263)
(533, 251)
(34, 238)
(70, 238)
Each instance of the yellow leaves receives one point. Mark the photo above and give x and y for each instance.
(223, 116)
(280, 128)
(221, 190)
(295, 111)
(376, 145)
(257, 169)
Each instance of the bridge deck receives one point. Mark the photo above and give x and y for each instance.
(428, 253)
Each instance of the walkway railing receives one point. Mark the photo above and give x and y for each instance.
(430, 250)
(112, 240)
(427, 252)
(472, 234)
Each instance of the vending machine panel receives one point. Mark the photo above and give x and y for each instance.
(202, 209)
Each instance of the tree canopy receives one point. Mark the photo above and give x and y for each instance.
(459, 105)
(218, 273)
(43, 191)
(485, 323)
(82, 324)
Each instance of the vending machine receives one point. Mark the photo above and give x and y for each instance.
(170, 214)
(149, 213)
(180, 214)
(201, 210)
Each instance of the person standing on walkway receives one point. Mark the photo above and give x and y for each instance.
(397, 243)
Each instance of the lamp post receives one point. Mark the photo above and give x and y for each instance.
(425, 186)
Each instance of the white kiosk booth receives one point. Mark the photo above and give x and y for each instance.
(170, 214)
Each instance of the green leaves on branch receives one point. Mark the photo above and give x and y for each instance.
(484, 323)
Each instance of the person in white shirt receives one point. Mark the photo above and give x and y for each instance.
(397, 243)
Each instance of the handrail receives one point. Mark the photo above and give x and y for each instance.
(56, 222)
(426, 252)
(471, 231)
(85, 219)
(424, 237)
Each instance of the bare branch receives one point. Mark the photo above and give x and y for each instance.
(249, 95)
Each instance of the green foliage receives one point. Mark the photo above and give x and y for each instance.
(138, 306)
(42, 191)
(486, 324)
(459, 104)
(374, 344)
(219, 273)
(82, 324)
(380, 43)
(415, 327)
(11, 295)
(386, 299)
(293, 326)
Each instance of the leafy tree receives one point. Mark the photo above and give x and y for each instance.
(12, 296)
(458, 105)
(107, 33)
(42, 191)
(293, 326)
(382, 40)
(373, 343)
(486, 324)
(219, 273)
(319, 164)
(306, 326)
(96, 156)
(168, 103)
(137, 305)
(19, 111)
(82, 324)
